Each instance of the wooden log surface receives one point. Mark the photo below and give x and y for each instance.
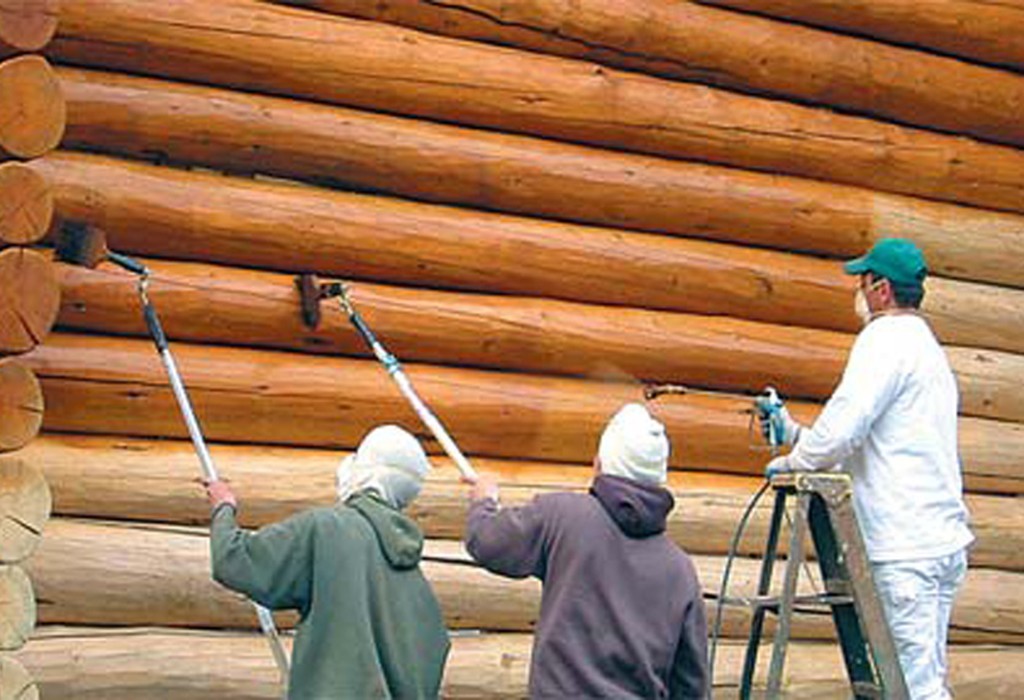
(15, 682)
(246, 133)
(32, 109)
(26, 204)
(686, 41)
(117, 386)
(21, 404)
(186, 215)
(29, 299)
(162, 576)
(220, 305)
(17, 608)
(255, 47)
(25, 26)
(153, 480)
(989, 32)
(25, 505)
(125, 664)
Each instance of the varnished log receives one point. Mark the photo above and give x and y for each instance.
(125, 664)
(32, 110)
(117, 386)
(15, 682)
(240, 307)
(21, 405)
(25, 26)
(153, 480)
(17, 608)
(29, 299)
(168, 213)
(251, 133)
(989, 32)
(26, 204)
(162, 578)
(259, 48)
(24, 507)
(683, 40)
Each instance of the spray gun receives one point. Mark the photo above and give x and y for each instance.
(768, 411)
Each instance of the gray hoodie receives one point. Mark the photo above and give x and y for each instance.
(621, 610)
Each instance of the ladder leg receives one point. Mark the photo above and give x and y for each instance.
(799, 529)
(763, 587)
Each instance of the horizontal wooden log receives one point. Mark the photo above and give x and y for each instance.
(25, 505)
(32, 109)
(153, 480)
(30, 296)
(241, 307)
(26, 25)
(17, 608)
(687, 41)
(117, 386)
(21, 404)
(26, 204)
(250, 133)
(15, 682)
(162, 576)
(267, 49)
(168, 213)
(125, 664)
(989, 32)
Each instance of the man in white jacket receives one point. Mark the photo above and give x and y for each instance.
(892, 425)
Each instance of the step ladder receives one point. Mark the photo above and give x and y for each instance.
(824, 505)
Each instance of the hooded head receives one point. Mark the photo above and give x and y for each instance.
(390, 462)
(634, 446)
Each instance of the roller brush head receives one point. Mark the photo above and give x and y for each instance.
(81, 244)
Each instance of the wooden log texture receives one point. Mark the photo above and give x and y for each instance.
(15, 682)
(17, 608)
(241, 132)
(26, 204)
(162, 576)
(168, 213)
(29, 299)
(32, 109)
(117, 386)
(230, 306)
(153, 480)
(249, 45)
(989, 32)
(686, 41)
(25, 505)
(125, 664)
(25, 26)
(21, 404)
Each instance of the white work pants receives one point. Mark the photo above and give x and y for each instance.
(917, 598)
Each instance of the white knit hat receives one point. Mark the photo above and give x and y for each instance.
(389, 461)
(634, 446)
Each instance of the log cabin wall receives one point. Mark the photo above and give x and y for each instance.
(541, 207)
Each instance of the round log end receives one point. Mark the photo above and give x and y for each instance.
(26, 204)
(29, 299)
(21, 405)
(25, 505)
(17, 608)
(15, 682)
(27, 25)
(32, 107)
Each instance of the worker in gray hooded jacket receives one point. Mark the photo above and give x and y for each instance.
(370, 625)
(621, 610)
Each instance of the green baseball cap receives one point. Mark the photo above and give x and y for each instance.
(896, 259)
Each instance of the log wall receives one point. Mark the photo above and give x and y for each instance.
(540, 207)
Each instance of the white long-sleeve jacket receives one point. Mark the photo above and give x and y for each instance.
(892, 425)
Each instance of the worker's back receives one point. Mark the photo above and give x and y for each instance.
(371, 626)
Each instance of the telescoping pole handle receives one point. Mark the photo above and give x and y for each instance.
(394, 369)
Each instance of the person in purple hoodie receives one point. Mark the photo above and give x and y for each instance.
(621, 610)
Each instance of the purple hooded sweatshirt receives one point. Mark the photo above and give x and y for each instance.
(621, 611)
